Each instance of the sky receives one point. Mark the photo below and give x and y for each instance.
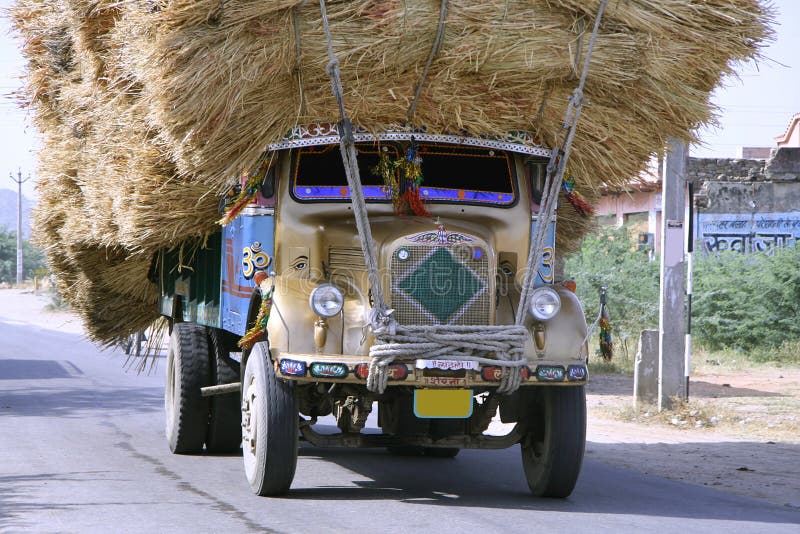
(755, 107)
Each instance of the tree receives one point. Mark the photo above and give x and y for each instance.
(33, 257)
(609, 258)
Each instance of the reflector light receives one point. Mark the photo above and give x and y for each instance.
(328, 370)
(397, 371)
(550, 373)
(292, 368)
(493, 373)
(576, 373)
(570, 284)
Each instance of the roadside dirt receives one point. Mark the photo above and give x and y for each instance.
(740, 431)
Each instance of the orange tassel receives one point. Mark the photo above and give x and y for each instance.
(413, 203)
(236, 209)
(255, 334)
(583, 208)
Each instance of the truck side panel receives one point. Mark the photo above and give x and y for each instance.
(192, 274)
(248, 245)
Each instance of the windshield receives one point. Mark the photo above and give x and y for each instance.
(449, 173)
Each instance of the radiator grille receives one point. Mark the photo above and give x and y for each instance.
(438, 284)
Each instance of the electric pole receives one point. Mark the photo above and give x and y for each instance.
(19, 181)
(672, 339)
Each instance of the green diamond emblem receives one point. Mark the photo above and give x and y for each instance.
(441, 285)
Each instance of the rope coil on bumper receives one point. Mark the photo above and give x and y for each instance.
(503, 346)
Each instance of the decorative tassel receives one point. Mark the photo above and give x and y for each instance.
(235, 206)
(241, 202)
(580, 204)
(401, 182)
(606, 345)
(254, 335)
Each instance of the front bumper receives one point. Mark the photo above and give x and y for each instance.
(335, 368)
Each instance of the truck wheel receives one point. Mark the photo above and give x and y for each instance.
(187, 371)
(552, 448)
(225, 421)
(269, 425)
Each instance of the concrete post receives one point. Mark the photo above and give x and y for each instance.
(671, 314)
(645, 371)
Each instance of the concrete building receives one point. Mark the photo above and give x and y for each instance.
(747, 205)
(791, 137)
(744, 204)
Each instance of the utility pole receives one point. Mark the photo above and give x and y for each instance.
(19, 181)
(671, 312)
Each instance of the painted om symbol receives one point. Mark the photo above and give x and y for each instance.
(254, 259)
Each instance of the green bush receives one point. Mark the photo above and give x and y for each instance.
(32, 257)
(609, 258)
(748, 302)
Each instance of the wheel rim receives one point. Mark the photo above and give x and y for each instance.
(169, 393)
(250, 411)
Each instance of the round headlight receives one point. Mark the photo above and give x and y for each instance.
(545, 303)
(326, 300)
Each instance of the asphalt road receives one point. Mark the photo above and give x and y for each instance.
(82, 450)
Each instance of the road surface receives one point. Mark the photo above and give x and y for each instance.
(83, 451)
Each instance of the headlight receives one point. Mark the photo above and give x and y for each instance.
(326, 300)
(545, 303)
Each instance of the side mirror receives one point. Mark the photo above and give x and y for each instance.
(267, 186)
(535, 172)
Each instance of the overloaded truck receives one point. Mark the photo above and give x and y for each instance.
(289, 273)
(411, 270)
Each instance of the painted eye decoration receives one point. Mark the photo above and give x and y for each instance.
(403, 254)
(300, 263)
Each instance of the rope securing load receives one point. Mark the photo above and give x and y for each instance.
(555, 174)
(472, 343)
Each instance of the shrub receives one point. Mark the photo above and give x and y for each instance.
(750, 302)
(609, 258)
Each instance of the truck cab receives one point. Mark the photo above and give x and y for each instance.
(289, 274)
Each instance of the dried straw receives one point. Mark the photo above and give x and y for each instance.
(148, 109)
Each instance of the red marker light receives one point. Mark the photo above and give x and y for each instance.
(397, 371)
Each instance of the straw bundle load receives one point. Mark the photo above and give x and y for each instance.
(148, 109)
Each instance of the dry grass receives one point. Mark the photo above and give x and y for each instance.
(148, 109)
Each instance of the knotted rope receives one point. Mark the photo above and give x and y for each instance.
(380, 316)
(503, 346)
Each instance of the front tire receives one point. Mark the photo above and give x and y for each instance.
(269, 425)
(185, 408)
(555, 439)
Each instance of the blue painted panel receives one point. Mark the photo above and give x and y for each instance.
(547, 267)
(378, 192)
(248, 246)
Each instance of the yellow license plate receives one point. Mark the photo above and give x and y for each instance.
(443, 403)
